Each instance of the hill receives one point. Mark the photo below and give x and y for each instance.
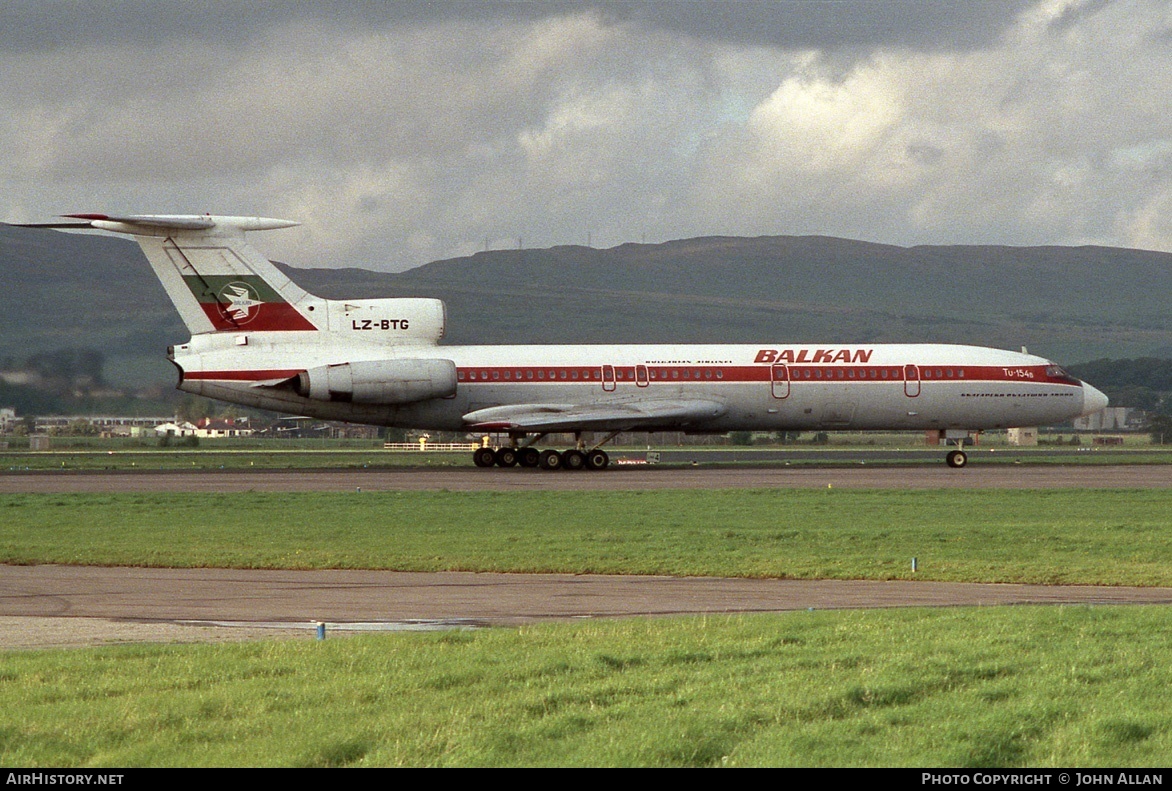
(1071, 304)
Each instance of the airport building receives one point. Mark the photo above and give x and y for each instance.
(1113, 418)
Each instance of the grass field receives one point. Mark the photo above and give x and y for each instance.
(982, 687)
(1022, 686)
(1102, 537)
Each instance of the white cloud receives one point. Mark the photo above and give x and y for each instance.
(403, 142)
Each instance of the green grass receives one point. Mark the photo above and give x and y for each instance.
(1108, 537)
(966, 687)
(979, 687)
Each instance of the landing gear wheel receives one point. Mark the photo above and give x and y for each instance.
(506, 457)
(574, 460)
(529, 457)
(957, 459)
(597, 459)
(550, 460)
(484, 457)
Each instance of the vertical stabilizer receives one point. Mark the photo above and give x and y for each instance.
(218, 282)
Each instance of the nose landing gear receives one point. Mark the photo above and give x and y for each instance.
(956, 458)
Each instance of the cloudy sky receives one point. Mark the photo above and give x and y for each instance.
(401, 133)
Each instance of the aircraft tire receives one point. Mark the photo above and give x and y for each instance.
(574, 460)
(550, 460)
(483, 457)
(529, 457)
(506, 457)
(597, 459)
(957, 459)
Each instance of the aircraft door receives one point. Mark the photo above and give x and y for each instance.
(608, 383)
(780, 381)
(911, 381)
(641, 376)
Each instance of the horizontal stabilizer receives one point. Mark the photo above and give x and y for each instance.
(153, 224)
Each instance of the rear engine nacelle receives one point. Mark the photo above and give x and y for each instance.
(379, 381)
(396, 320)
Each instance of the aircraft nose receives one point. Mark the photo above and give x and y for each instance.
(1093, 400)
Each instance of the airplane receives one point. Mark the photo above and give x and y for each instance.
(260, 340)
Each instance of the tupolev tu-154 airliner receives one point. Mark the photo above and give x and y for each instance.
(260, 340)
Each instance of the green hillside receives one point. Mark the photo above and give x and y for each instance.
(1071, 304)
(85, 291)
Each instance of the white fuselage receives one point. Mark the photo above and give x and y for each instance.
(759, 387)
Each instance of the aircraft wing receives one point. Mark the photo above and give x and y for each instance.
(615, 416)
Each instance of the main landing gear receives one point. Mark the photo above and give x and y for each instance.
(576, 458)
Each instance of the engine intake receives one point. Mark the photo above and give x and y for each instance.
(379, 381)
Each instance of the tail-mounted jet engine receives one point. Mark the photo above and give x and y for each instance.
(379, 381)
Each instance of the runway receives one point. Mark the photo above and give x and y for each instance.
(464, 479)
(124, 600)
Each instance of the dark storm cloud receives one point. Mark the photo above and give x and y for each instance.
(830, 25)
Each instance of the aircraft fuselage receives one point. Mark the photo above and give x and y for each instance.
(761, 387)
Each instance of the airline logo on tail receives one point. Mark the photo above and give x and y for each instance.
(237, 302)
(242, 300)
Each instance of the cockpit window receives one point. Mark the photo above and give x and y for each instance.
(1057, 372)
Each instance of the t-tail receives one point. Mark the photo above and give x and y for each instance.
(220, 283)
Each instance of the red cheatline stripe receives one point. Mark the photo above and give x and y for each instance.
(708, 374)
(738, 374)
